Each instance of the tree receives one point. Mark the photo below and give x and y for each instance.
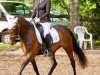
(74, 14)
(92, 14)
(61, 5)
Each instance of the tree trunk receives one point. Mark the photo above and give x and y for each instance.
(74, 14)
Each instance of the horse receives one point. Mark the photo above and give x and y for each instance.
(30, 45)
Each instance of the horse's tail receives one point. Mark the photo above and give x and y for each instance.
(79, 52)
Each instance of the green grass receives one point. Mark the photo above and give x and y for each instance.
(8, 47)
(97, 42)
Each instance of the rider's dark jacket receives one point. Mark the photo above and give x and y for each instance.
(42, 10)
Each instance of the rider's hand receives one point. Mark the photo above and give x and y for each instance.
(37, 20)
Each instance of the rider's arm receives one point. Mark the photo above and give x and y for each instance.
(48, 6)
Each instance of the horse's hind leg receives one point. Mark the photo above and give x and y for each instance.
(35, 66)
(53, 65)
(69, 51)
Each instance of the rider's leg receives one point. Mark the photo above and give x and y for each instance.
(48, 41)
(47, 37)
(40, 28)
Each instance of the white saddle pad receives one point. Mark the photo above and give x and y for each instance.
(53, 33)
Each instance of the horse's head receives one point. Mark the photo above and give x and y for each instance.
(18, 25)
(14, 33)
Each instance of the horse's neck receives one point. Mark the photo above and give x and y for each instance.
(24, 25)
(26, 29)
(27, 37)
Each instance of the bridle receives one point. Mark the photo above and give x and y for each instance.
(17, 28)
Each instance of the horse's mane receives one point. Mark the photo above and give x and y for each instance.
(24, 20)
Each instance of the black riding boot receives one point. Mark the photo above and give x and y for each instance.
(48, 41)
(43, 48)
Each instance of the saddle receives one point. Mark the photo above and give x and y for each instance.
(53, 33)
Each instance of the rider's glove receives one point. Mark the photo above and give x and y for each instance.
(37, 20)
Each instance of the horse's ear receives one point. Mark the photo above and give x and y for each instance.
(16, 16)
(22, 15)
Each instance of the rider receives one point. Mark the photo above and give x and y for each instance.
(41, 12)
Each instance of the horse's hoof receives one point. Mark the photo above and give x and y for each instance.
(49, 54)
(45, 53)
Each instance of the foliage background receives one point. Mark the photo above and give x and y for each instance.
(87, 9)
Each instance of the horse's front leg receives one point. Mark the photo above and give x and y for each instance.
(24, 64)
(53, 65)
(35, 66)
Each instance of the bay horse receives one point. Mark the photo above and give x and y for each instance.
(31, 46)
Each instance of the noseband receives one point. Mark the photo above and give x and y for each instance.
(13, 36)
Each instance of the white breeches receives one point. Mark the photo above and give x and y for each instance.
(46, 27)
